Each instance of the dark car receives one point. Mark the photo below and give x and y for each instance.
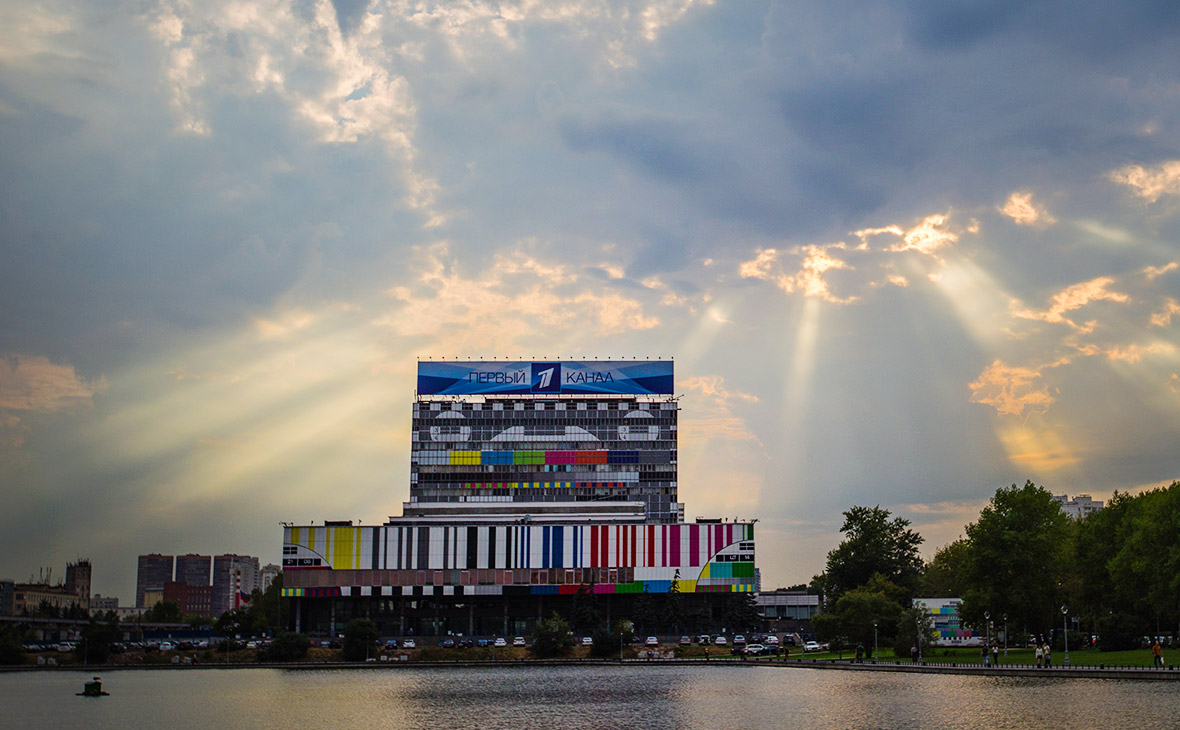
(447, 643)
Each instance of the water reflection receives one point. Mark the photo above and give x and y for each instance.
(654, 697)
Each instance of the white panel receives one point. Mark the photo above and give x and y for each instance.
(461, 549)
(434, 561)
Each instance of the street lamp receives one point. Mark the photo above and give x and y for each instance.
(874, 641)
(1065, 632)
(918, 629)
(1005, 636)
(987, 622)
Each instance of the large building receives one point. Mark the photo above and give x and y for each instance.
(152, 573)
(531, 483)
(193, 569)
(234, 578)
(1082, 505)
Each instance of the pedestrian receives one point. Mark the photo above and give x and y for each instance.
(1048, 651)
(987, 657)
(914, 654)
(1040, 655)
(1157, 654)
(995, 655)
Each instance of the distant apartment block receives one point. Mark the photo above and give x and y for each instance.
(154, 571)
(194, 569)
(234, 578)
(78, 582)
(1078, 507)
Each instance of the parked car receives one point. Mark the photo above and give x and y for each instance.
(518, 641)
(167, 646)
(447, 643)
(587, 641)
(651, 641)
(391, 644)
(409, 644)
(500, 641)
(739, 640)
(720, 641)
(771, 640)
(704, 640)
(811, 646)
(483, 643)
(685, 641)
(756, 649)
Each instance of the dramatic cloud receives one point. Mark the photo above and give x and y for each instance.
(903, 252)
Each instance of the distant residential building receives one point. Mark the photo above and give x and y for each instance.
(266, 576)
(192, 600)
(1078, 507)
(151, 597)
(194, 569)
(78, 582)
(129, 613)
(102, 604)
(154, 571)
(234, 577)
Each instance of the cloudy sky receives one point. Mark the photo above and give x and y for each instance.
(903, 253)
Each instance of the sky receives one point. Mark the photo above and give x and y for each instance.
(903, 253)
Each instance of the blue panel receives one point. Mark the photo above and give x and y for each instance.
(545, 532)
(619, 377)
(558, 545)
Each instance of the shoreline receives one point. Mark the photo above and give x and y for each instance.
(1023, 671)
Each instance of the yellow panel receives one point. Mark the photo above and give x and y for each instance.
(705, 572)
(686, 586)
(343, 556)
(296, 533)
(311, 539)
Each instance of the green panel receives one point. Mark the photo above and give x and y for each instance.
(636, 587)
(743, 570)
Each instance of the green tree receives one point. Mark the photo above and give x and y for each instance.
(552, 637)
(10, 648)
(1017, 554)
(286, 647)
(97, 639)
(852, 614)
(163, 612)
(740, 612)
(945, 576)
(1145, 571)
(873, 544)
(360, 639)
(915, 628)
(608, 643)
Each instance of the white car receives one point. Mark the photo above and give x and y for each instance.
(518, 641)
(500, 641)
(772, 640)
(811, 646)
(587, 641)
(409, 644)
(720, 641)
(652, 641)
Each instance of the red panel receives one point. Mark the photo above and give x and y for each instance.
(594, 546)
(651, 546)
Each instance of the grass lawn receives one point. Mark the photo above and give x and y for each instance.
(1077, 657)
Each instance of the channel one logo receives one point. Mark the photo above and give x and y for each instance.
(546, 377)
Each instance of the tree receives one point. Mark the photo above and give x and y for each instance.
(740, 612)
(851, 616)
(163, 612)
(873, 544)
(360, 637)
(552, 637)
(97, 639)
(915, 628)
(286, 647)
(945, 576)
(1017, 553)
(609, 643)
(10, 648)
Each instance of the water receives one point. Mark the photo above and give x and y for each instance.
(655, 697)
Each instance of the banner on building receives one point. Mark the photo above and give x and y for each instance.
(605, 377)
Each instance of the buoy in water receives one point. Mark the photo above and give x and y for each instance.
(93, 688)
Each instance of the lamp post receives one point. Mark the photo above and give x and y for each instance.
(1005, 636)
(918, 630)
(874, 641)
(1065, 632)
(987, 622)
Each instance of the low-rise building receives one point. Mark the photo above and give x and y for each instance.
(1082, 505)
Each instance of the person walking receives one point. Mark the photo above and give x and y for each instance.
(914, 654)
(987, 657)
(995, 655)
(1048, 651)
(1040, 656)
(1157, 654)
